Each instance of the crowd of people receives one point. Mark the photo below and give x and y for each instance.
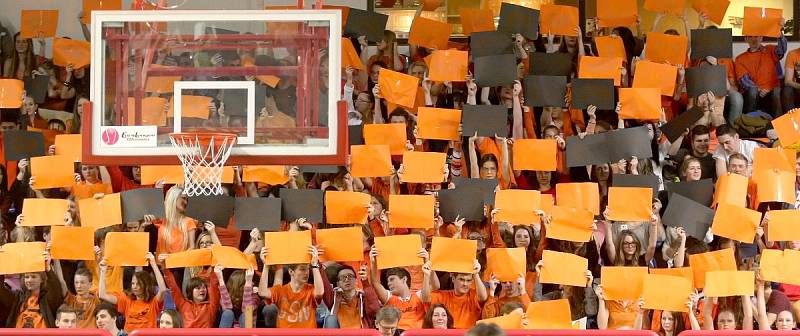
(360, 294)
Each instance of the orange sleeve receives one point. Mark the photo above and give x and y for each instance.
(529, 124)
(576, 116)
(490, 308)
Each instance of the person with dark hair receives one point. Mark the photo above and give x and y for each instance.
(463, 301)
(33, 305)
(483, 329)
(387, 320)
(170, 318)
(83, 301)
(351, 308)
(66, 317)
(296, 301)
(729, 144)
(437, 317)
(399, 293)
(200, 303)
(698, 148)
(106, 317)
(141, 304)
(759, 70)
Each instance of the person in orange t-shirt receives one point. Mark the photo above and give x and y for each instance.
(510, 292)
(89, 184)
(141, 306)
(463, 302)
(758, 70)
(297, 301)
(792, 80)
(399, 294)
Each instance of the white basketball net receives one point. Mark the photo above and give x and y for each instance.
(202, 161)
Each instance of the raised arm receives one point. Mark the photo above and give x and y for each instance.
(60, 274)
(375, 278)
(162, 287)
(263, 283)
(427, 272)
(602, 311)
(680, 256)
(319, 287)
(474, 169)
(761, 306)
(480, 289)
(517, 131)
(655, 221)
(102, 291)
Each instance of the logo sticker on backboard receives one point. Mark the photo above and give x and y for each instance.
(129, 136)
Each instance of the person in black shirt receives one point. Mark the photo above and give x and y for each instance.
(698, 149)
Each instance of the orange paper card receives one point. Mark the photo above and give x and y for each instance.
(507, 264)
(70, 145)
(684, 272)
(601, 67)
(190, 258)
(622, 283)
(475, 20)
(423, 167)
(563, 269)
(535, 154)
(570, 224)
(732, 189)
(516, 206)
(666, 292)
(774, 158)
(788, 128)
(398, 88)
(720, 260)
(506, 322)
(411, 211)
(665, 48)
(736, 222)
(438, 124)
(288, 247)
(69, 51)
(191, 107)
(640, 103)
(448, 65)
(44, 211)
(444, 259)
(774, 186)
(346, 207)
(610, 46)
(170, 174)
(431, 5)
(550, 314)
(429, 33)
(161, 85)
(126, 248)
(714, 9)
(759, 21)
(152, 112)
(93, 5)
(38, 23)
(783, 225)
(558, 20)
(674, 7)
(341, 244)
(398, 251)
(729, 283)
(370, 161)
(11, 91)
(72, 242)
(350, 57)
(584, 195)
(393, 135)
(22, 258)
(103, 212)
(613, 13)
(53, 171)
(780, 266)
(656, 75)
(272, 175)
(630, 204)
(231, 257)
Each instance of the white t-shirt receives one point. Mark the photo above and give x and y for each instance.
(746, 148)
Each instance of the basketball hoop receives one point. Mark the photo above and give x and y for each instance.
(203, 157)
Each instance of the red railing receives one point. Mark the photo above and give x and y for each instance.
(255, 332)
(460, 332)
(740, 333)
(53, 332)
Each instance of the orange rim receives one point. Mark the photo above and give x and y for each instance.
(204, 138)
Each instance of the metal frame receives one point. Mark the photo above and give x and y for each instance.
(307, 41)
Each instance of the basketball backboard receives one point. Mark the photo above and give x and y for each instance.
(272, 77)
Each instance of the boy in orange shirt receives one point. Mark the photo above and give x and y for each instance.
(463, 302)
(399, 294)
(297, 301)
(758, 70)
